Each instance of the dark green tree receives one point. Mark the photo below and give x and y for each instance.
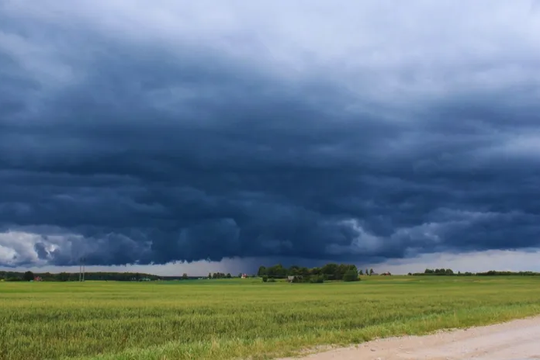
(28, 276)
(351, 275)
(294, 270)
(330, 271)
(276, 271)
(262, 271)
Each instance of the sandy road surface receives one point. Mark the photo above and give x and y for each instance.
(516, 340)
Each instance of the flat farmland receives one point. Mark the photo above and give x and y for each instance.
(230, 319)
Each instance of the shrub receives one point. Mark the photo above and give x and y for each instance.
(351, 275)
(271, 280)
(316, 280)
(265, 278)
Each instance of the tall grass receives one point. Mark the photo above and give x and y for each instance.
(224, 319)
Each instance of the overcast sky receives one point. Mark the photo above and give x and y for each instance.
(178, 136)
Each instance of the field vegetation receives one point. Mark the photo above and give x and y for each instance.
(243, 318)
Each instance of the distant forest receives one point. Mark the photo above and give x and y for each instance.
(450, 272)
(317, 274)
(328, 272)
(103, 276)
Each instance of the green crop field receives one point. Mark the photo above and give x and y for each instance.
(222, 319)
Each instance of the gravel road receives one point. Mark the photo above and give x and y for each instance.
(515, 340)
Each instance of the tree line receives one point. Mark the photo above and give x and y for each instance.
(331, 271)
(219, 275)
(65, 276)
(450, 272)
(100, 276)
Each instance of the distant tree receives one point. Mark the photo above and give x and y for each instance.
(342, 269)
(276, 271)
(229, 275)
(240, 275)
(209, 275)
(28, 276)
(361, 272)
(63, 276)
(330, 271)
(367, 272)
(370, 271)
(351, 275)
(262, 271)
(184, 276)
(294, 270)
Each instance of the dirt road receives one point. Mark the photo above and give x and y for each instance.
(516, 340)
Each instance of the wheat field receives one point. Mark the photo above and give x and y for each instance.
(228, 319)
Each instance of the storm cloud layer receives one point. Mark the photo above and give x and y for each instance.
(146, 133)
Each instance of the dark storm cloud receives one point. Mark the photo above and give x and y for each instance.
(137, 141)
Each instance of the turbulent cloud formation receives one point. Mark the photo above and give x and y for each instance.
(138, 133)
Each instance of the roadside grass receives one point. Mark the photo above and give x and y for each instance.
(227, 319)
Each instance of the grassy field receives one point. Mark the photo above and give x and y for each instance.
(222, 319)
